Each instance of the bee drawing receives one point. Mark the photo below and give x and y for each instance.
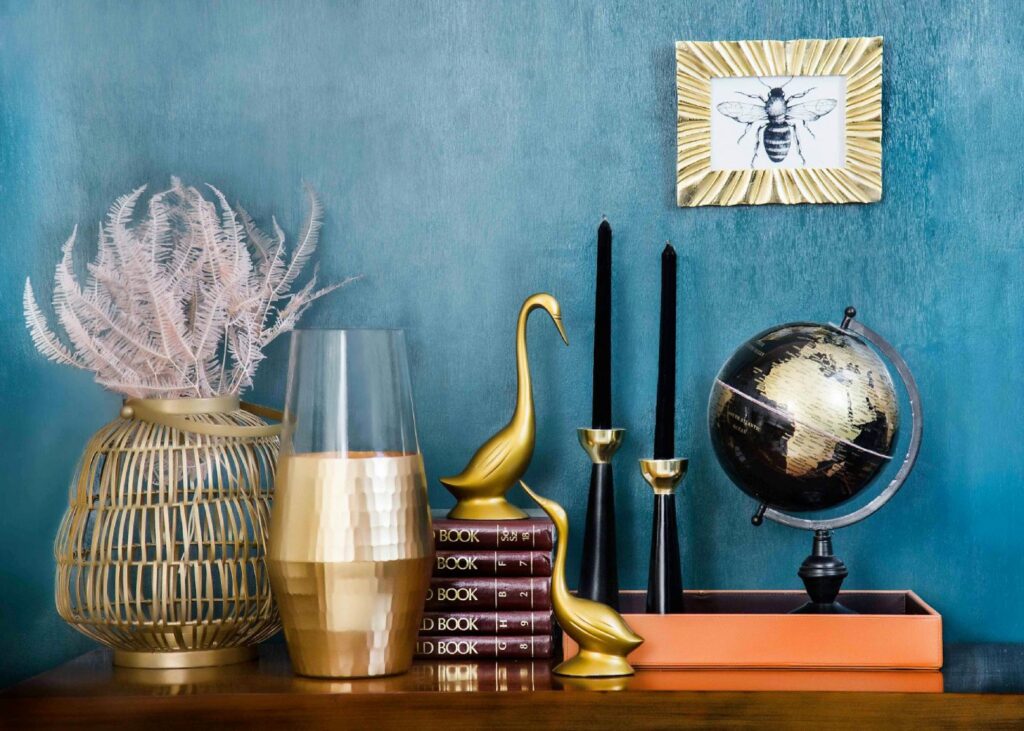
(778, 117)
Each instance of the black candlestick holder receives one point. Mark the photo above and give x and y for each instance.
(664, 579)
(599, 572)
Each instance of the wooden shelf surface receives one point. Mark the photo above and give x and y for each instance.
(90, 692)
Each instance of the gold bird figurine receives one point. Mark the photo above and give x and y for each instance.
(480, 488)
(602, 634)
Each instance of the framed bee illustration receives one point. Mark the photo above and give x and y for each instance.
(779, 122)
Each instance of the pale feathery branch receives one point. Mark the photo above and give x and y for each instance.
(295, 307)
(305, 246)
(45, 340)
(88, 346)
(90, 311)
(181, 303)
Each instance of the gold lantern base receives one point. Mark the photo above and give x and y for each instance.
(186, 659)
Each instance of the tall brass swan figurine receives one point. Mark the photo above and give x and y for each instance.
(602, 634)
(481, 486)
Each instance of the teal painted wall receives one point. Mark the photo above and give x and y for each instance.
(465, 153)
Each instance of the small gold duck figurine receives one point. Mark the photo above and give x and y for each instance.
(602, 634)
(480, 488)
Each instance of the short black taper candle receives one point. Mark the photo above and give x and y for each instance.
(664, 420)
(601, 414)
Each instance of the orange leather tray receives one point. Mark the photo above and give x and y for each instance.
(754, 629)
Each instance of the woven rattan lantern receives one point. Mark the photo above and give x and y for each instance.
(161, 551)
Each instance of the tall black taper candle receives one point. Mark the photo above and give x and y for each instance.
(664, 579)
(601, 413)
(599, 575)
(665, 411)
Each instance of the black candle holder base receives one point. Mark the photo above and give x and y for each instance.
(599, 578)
(664, 579)
(822, 573)
(599, 574)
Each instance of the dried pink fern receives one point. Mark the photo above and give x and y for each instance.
(181, 303)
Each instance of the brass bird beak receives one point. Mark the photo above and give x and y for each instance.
(561, 329)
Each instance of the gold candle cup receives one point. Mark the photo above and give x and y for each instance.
(663, 475)
(600, 444)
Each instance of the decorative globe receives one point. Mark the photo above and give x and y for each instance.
(803, 416)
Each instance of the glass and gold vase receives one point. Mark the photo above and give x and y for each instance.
(350, 540)
(161, 552)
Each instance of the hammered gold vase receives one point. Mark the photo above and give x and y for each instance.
(161, 552)
(350, 541)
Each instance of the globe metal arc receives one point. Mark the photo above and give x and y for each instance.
(804, 416)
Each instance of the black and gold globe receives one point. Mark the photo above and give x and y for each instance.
(803, 416)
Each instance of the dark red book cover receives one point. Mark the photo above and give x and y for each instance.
(536, 532)
(492, 563)
(521, 593)
(484, 647)
(486, 623)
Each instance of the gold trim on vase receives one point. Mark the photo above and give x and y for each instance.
(172, 413)
(211, 405)
(350, 559)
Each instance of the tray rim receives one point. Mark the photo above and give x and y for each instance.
(929, 611)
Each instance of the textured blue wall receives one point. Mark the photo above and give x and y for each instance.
(465, 153)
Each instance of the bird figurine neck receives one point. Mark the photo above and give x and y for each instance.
(524, 386)
(560, 594)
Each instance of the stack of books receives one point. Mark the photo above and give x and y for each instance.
(490, 595)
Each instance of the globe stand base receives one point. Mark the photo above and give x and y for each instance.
(822, 573)
(814, 608)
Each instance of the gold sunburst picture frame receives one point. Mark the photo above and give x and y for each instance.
(738, 96)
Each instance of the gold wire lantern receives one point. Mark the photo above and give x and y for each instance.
(161, 553)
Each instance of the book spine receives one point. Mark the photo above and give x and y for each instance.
(531, 534)
(486, 623)
(484, 647)
(492, 563)
(524, 593)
